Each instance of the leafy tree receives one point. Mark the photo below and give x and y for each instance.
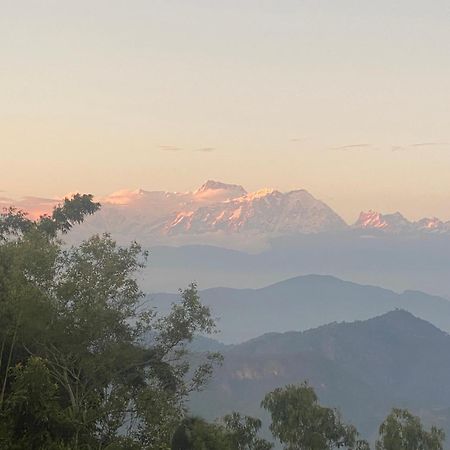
(73, 211)
(32, 415)
(196, 434)
(300, 423)
(234, 433)
(403, 431)
(243, 433)
(77, 369)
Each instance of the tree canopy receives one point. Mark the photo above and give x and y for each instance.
(403, 431)
(234, 432)
(77, 367)
(301, 423)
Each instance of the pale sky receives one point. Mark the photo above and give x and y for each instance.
(347, 99)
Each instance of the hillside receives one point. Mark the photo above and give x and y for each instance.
(364, 367)
(306, 302)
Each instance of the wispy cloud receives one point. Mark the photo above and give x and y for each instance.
(397, 148)
(352, 147)
(394, 148)
(174, 148)
(429, 144)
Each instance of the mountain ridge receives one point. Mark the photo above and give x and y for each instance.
(304, 302)
(219, 212)
(397, 223)
(364, 368)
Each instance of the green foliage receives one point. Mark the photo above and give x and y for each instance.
(76, 370)
(65, 216)
(243, 433)
(403, 431)
(197, 434)
(300, 423)
(235, 433)
(14, 223)
(32, 415)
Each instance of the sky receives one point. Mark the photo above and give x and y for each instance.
(348, 99)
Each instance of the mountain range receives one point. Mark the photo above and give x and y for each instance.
(306, 302)
(364, 368)
(397, 223)
(215, 213)
(221, 235)
(223, 213)
(228, 209)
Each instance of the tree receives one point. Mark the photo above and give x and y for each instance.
(74, 319)
(233, 433)
(300, 423)
(32, 416)
(403, 431)
(196, 434)
(243, 432)
(73, 211)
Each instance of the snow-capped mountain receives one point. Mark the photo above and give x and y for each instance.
(217, 191)
(397, 223)
(146, 211)
(264, 211)
(214, 213)
(224, 214)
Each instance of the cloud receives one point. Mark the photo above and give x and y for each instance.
(170, 148)
(174, 148)
(397, 148)
(352, 147)
(205, 149)
(429, 144)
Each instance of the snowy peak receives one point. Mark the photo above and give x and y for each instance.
(265, 211)
(371, 219)
(260, 194)
(375, 220)
(222, 213)
(213, 210)
(432, 224)
(217, 191)
(397, 223)
(212, 185)
(123, 197)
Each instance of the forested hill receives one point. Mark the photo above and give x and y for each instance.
(306, 302)
(364, 368)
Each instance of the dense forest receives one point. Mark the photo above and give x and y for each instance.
(84, 365)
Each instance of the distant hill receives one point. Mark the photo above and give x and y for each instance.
(396, 262)
(364, 368)
(306, 302)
